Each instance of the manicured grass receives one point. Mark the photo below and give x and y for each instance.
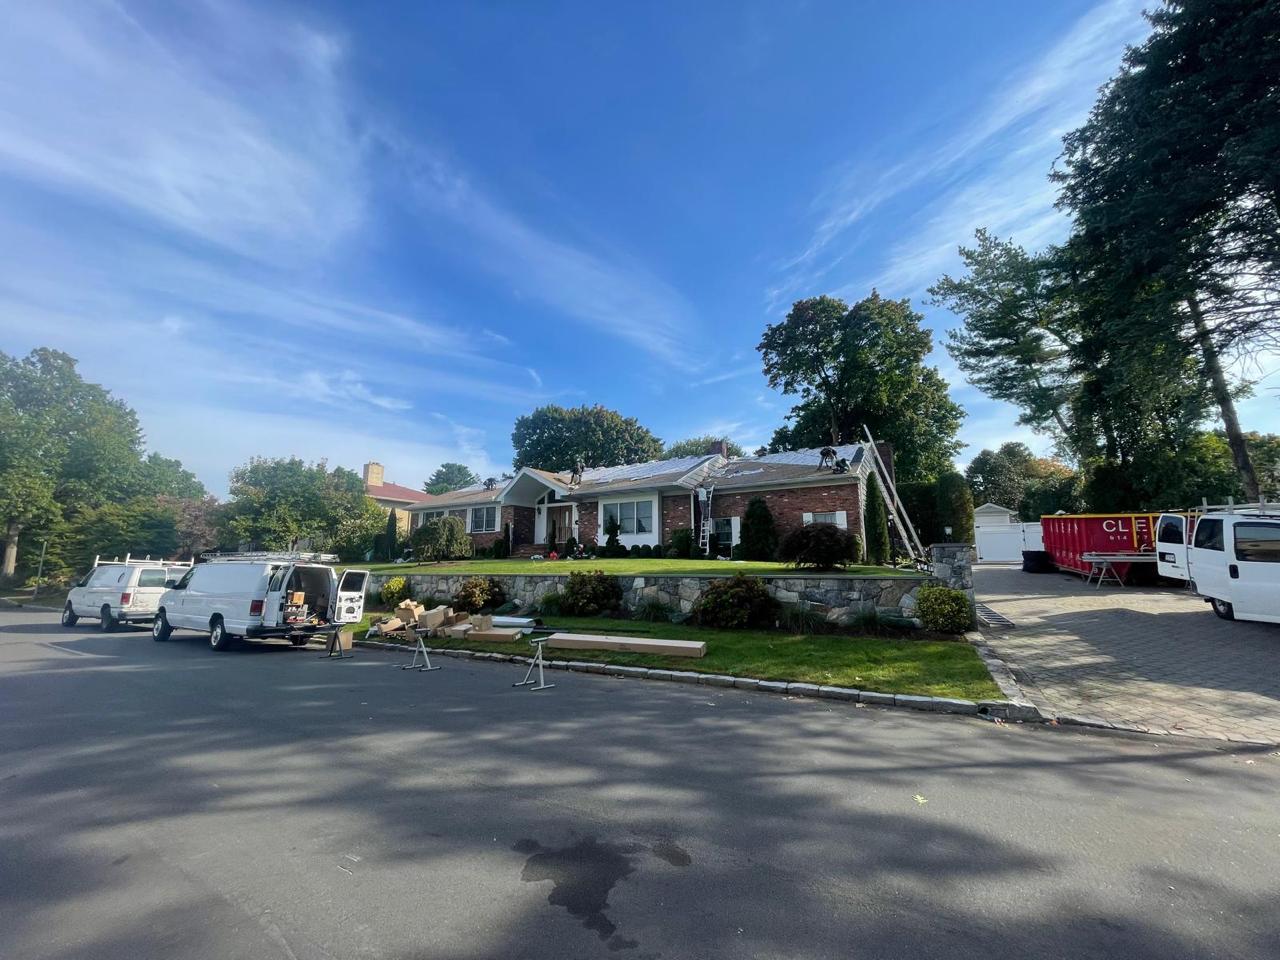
(628, 566)
(924, 667)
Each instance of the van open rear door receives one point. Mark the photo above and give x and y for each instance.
(348, 605)
(1171, 546)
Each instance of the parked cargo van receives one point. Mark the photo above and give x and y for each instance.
(261, 595)
(121, 591)
(1230, 556)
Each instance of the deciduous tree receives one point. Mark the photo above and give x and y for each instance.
(555, 438)
(450, 476)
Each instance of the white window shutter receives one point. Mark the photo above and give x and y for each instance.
(736, 524)
(842, 520)
(469, 515)
(808, 519)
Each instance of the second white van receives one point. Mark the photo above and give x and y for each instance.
(1232, 559)
(260, 596)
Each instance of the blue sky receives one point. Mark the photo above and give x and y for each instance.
(384, 231)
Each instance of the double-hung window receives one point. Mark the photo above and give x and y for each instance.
(825, 518)
(632, 516)
(484, 519)
(422, 516)
(724, 533)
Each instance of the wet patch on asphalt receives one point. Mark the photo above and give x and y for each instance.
(583, 874)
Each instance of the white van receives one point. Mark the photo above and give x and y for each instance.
(1231, 557)
(121, 591)
(287, 595)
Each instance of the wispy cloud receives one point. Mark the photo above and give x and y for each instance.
(723, 376)
(990, 171)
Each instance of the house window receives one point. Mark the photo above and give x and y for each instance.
(484, 519)
(423, 516)
(825, 518)
(724, 533)
(633, 516)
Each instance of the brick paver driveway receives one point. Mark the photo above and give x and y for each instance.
(1150, 658)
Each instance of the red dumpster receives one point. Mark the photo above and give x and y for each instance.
(1067, 537)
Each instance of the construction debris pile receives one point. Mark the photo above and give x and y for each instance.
(411, 619)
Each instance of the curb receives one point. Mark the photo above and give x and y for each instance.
(987, 709)
(7, 604)
(1003, 676)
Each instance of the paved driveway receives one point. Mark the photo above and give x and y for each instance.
(1152, 658)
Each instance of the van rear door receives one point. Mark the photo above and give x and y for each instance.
(1171, 546)
(348, 604)
(1254, 568)
(273, 604)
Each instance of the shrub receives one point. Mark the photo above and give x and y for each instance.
(635, 550)
(758, 536)
(672, 553)
(479, 593)
(819, 546)
(944, 609)
(394, 590)
(653, 609)
(551, 604)
(802, 619)
(591, 593)
(612, 547)
(443, 538)
(738, 601)
(502, 547)
(681, 542)
(484, 553)
(570, 546)
(876, 522)
(737, 553)
(955, 508)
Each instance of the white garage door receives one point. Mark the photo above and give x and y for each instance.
(1004, 543)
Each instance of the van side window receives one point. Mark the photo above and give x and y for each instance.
(1170, 530)
(1258, 542)
(277, 579)
(151, 578)
(182, 584)
(1209, 534)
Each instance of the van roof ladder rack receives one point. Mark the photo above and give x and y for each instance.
(271, 555)
(1263, 506)
(98, 560)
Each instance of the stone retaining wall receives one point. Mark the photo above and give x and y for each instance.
(843, 600)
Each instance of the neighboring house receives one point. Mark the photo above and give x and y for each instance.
(392, 496)
(651, 500)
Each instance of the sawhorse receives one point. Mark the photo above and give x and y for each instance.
(421, 648)
(538, 662)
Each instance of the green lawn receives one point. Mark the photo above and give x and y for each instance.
(928, 668)
(626, 566)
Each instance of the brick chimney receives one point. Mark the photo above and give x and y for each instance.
(720, 447)
(885, 449)
(373, 473)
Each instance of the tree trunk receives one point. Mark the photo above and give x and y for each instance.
(11, 550)
(1226, 406)
(835, 424)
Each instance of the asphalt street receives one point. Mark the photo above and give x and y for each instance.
(162, 800)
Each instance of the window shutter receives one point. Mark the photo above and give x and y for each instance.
(736, 524)
(469, 519)
(842, 519)
(808, 519)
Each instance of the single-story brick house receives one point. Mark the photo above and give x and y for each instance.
(651, 500)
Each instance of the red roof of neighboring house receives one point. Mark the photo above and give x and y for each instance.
(393, 491)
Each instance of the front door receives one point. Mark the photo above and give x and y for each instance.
(1254, 568)
(560, 524)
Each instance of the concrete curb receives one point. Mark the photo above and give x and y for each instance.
(1022, 707)
(988, 709)
(7, 604)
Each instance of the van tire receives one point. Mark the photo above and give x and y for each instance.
(219, 639)
(69, 618)
(106, 622)
(160, 629)
(299, 641)
(1223, 609)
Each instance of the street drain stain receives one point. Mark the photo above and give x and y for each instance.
(583, 874)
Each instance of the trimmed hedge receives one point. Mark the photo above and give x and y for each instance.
(944, 609)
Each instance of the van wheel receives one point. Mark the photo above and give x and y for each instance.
(299, 641)
(69, 618)
(219, 639)
(106, 622)
(160, 629)
(1223, 609)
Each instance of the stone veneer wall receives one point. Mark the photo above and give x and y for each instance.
(843, 600)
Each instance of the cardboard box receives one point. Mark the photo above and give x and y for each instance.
(495, 634)
(430, 619)
(345, 639)
(458, 632)
(297, 598)
(391, 626)
(456, 618)
(482, 621)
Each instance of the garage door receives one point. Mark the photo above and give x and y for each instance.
(1004, 543)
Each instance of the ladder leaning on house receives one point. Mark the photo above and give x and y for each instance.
(706, 526)
(897, 512)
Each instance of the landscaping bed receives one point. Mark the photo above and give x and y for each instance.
(628, 566)
(937, 668)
